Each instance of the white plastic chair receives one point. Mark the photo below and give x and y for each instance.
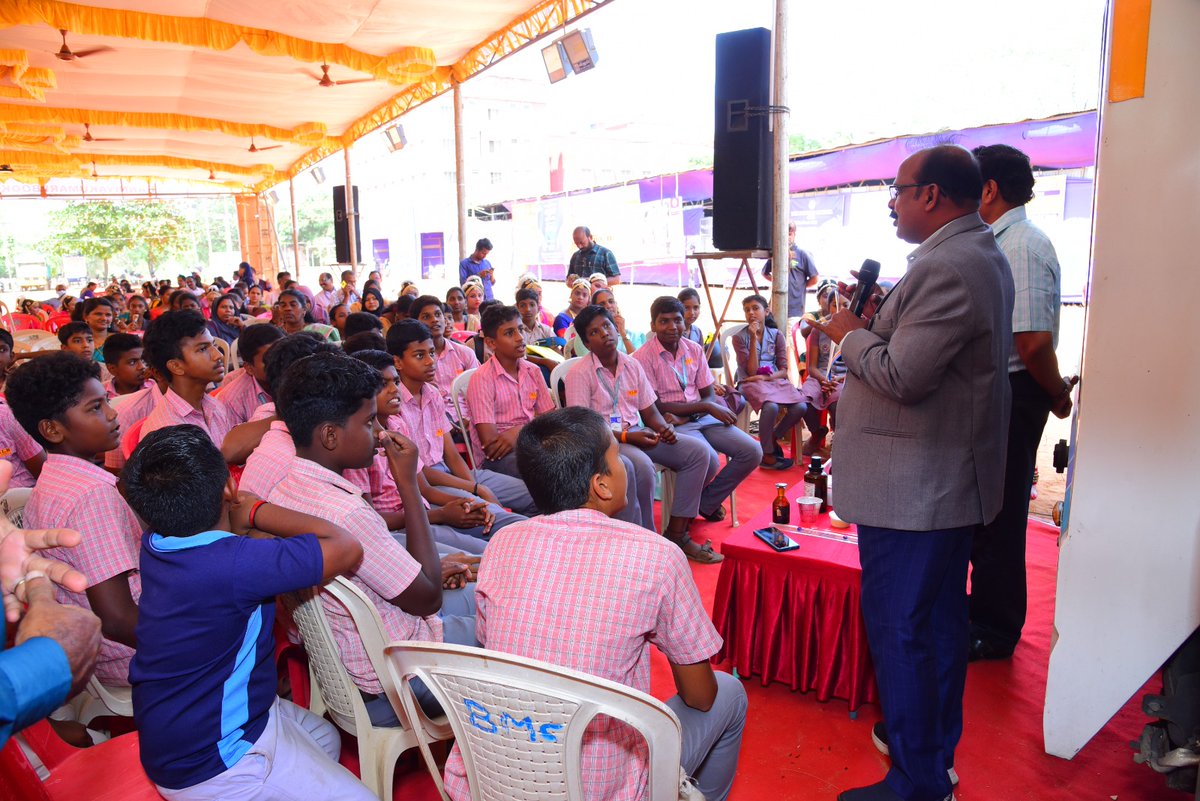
(519, 722)
(104, 701)
(378, 747)
(558, 379)
(33, 340)
(12, 504)
(458, 394)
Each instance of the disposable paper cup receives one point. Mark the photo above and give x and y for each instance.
(810, 509)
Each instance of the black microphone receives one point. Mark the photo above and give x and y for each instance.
(868, 274)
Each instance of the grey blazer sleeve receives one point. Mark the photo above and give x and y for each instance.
(915, 335)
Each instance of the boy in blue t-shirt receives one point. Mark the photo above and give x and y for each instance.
(204, 674)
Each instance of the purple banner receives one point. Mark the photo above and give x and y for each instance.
(433, 251)
(381, 252)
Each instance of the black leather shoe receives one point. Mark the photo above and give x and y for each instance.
(981, 648)
(875, 792)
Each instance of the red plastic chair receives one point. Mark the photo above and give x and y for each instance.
(110, 771)
(131, 437)
(56, 321)
(462, 336)
(23, 322)
(291, 658)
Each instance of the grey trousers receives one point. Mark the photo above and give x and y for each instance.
(448, 540)
(688, 457)
(639, 487)
(503, 516)
(742, 451)
(712, 739)
(508, 488)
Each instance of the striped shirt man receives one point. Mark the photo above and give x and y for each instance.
(1036, 277)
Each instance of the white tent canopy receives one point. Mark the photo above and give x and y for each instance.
(180, 87)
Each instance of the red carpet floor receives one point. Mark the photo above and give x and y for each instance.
(796, 747)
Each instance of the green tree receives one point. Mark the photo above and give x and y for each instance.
(151, 230)
(158, 231)
(799, 143)
(8, 257)
(96, 229)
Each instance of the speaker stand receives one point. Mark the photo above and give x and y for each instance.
(719, 320)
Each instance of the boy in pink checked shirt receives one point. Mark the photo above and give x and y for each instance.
(679, 372)
(16, 446)
(123, 358)
(628, 588)
(505, 393)
(453, 358)
(132, 408)
(615, 386)
(242, 440)
(245, 389)
(179, 346)
(422, 420)
(536, 332)
(328, 404)
(59, 400)
(380, 487)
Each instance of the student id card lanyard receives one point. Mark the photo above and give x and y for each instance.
(613, 388)
(680, 375)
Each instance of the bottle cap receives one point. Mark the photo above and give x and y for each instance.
(781, 485)
(814, 464)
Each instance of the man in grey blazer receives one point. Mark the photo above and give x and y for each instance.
(920, 459)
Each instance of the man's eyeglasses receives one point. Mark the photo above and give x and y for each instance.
(894, 189)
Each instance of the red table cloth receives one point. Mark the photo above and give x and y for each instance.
(794, 617)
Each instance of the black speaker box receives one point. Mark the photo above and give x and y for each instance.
(341, 230)
(742, 149)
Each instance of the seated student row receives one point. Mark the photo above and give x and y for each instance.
(80, 425)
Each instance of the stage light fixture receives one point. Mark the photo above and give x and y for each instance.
(574, 52)
(318, 175)
(557, 66)
(581, 52)
(395, 137)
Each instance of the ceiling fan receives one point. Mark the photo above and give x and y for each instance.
(255, 149)
(325, 80)
(94, 173)
(66, 54)
(87, 135)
